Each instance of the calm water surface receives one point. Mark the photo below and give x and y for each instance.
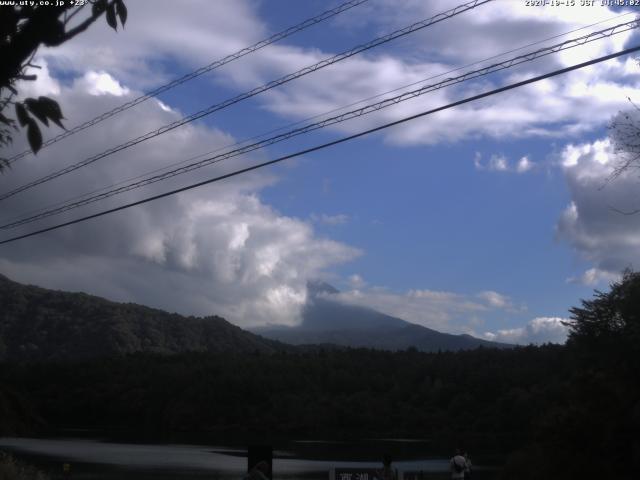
(309, 459)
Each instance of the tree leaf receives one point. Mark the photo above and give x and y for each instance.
(52, 32)
(30, 78)
(21, 113)
(34, 136)
(52, 110)
(111, 16)
(121, 10)
(35, 107)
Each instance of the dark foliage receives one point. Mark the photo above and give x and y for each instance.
(484, 397)
(611, 317)
(590, 428)
(552, 411)
(12, 469)
(45, 325)
(625, 136)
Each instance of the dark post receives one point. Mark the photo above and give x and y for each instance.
(259, 453)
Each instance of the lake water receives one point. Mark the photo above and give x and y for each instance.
(93, 459)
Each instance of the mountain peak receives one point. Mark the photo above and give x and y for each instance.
(328, 320)
(318, 287)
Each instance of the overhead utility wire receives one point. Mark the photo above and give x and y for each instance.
(201, 71)
(287, 78)
(307, 119)
(330, 121)
(528, 57)
(329, 144)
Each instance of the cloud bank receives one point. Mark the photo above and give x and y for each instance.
(222, 249)
(215, 250)
(193, 34)
(592, 223)
(537, 331)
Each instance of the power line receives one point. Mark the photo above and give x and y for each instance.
(287, 78)
(307, 119)
(608, 32)
(201, 71)
(329, 144)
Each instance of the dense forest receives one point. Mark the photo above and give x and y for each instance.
(48, 325)
(554, 411)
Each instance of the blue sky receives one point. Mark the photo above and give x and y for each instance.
(486, 219)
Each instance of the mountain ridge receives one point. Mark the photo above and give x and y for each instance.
(44, 325)
(329, 321)
(38, 324)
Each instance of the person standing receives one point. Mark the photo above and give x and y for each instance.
(467, 470)
(458, 465)
(387, 472)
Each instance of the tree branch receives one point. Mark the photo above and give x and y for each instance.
(80, 28)
(68, 19)
(622, 212)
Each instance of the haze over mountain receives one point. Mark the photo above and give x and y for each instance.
(42, 324)
(326, 320)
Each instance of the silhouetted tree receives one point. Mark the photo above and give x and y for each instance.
(23, 28)
(610, 316)
(589, 427)
(625, 136)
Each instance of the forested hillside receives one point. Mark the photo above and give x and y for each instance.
(535, 406)
(42, 324)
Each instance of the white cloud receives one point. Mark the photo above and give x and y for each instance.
(537, 331)
(194, 33)
(199, 248)
(492, 26)
(500, 163)
(495, 299)
(190, 34)
(593, 277)
(44, 85)
(101, 83)
(579, 101)
(591, 224)
(164, 106)
(477, 161)
(524, 165)
(214, 250)
(599, 151)
(440, 310)
(356, 281)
